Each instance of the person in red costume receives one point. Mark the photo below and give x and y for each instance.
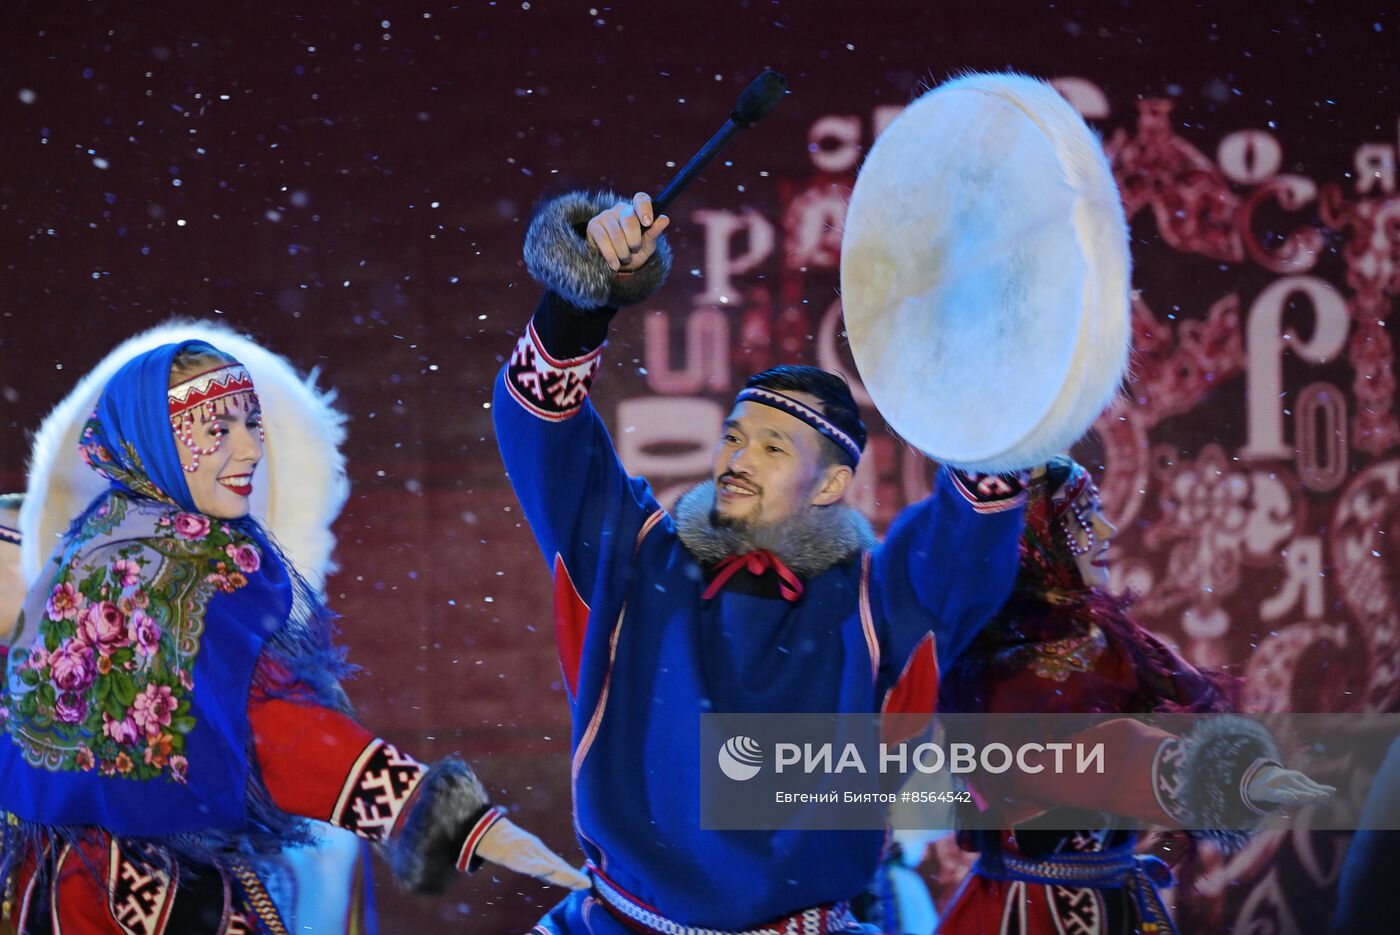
(172, 712)
(1064, 644)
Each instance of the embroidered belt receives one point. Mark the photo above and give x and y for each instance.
(820, 920)
(1138, 875)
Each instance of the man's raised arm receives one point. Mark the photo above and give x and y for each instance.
(594, 255)
(946, 566)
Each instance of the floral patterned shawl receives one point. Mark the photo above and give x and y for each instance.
(124, 703)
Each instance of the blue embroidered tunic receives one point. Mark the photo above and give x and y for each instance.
(644, 655)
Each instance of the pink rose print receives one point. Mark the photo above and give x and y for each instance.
(245, 557)
(64, 603)
(123, 731)
(145, 633)
(126, 572)
(72, 668)
(70, 708)
(191, 525)
(103, 626)
(153, 709)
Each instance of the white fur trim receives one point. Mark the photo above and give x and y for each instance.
(299, 489)
(985, 274)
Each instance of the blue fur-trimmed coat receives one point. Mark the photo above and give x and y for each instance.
(643, 655)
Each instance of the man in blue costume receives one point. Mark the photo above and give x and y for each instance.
(762, 592)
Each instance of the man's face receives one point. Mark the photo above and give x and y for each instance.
(769, 467)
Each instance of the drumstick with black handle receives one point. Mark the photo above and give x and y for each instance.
(760, 97)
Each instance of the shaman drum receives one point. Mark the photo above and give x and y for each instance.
(985, 274)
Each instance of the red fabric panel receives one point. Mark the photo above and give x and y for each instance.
(570, 624)
(916, 692)
(306, 753)
(1124, 787)
(81, 900)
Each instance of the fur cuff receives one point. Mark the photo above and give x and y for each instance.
(560, 259)
(450, 803)
(1218, 756)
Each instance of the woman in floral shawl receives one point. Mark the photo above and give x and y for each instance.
(171, 709)
(1065, 645)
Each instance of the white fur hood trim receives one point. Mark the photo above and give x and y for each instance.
(300, 487)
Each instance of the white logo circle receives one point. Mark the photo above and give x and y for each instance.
(741, 758)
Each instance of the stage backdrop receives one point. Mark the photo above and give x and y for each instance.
(350, 183)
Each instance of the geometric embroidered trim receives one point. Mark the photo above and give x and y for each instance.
(1168, 780)
(139, 896)
(819, 920)
(991, 493)
(801, 411)
(553, 390)
(224, 380)
(376, 791)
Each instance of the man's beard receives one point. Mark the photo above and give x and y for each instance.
(740, 524)
(745, 530)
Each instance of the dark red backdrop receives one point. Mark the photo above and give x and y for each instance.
(349, 183)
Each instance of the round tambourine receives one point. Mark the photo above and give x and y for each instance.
(985, 274)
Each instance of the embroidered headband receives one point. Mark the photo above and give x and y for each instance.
(1063, 499)
(804, 412)
(1076, 498)
(212, 392)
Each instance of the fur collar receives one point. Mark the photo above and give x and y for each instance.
(808, 543)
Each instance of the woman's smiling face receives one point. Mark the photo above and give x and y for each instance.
(219, 450)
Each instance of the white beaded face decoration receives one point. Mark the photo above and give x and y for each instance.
(1082, 509)
(224, 389)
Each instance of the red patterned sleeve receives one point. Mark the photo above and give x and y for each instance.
(1139, 778)
(321, 764)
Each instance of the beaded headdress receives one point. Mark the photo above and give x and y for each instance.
(218, 391)
(1059, 499)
